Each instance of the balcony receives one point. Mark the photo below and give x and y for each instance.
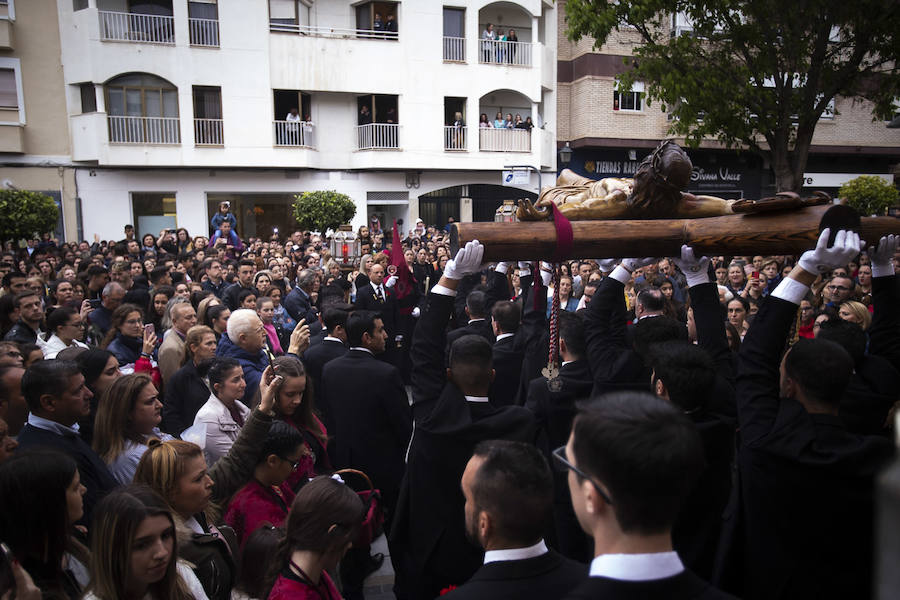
(378, 136)
(510, 54)
(204, 32)
(454, 49)
(144, 130)
(209, 132)
(294, 134)
(455, 139)
(504, 140)
(332, 32)
(133, 27)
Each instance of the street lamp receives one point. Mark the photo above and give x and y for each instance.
(565, 155)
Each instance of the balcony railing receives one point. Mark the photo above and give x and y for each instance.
(516, 54)
(504, 140)
(295, 134)
(204, 32)
(209, 132)
(332, 32)
(454, 49)
(144, 130)
(377, 135)
(134, 27)
(454, 138)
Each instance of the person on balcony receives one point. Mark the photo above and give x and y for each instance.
(501, 47)
(511, 48)
(508, 122)
(499, 122)
(377, 23)
(365, 117)
(292, 129)
(528, 124)
(487, 45)
(519, 123)
(484, 122)
(390, 27)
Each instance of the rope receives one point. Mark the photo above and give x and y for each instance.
(553, 359)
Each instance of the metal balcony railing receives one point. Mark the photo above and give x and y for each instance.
(209, 132)
(204, 32)
(294, 134)
(144, 130)
(454, 49)
(377, 135)
(516, 54)
(454, 138)
(134, 27)
(332, 32)
(504, 140)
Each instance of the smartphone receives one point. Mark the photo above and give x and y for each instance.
(755, 275)
(95, 302)
(7, 579)
(149, 328)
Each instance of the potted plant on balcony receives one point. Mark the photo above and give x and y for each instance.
(323, 210)
(869, 195)
(24, 214)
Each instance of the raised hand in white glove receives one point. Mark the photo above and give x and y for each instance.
(416, 312)
(607, 264)
(546, 273)
(695, 269)
(883, 255)
(466, 261)
(391, 281)
(503, 267)
(824, 258)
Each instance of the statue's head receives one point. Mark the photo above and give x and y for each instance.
(659, 181)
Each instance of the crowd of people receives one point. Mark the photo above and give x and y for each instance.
(193, 417)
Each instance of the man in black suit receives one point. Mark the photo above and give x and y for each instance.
(372, 421)
(453, 412)
(508, 354)
(802, 518)
(380, 298)
(554, 411)
(476, 310)
(509, 490)
(632, 460)
(57, 398)
(298, 302)
(333, 345)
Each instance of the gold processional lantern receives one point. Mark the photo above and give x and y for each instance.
(506, 213)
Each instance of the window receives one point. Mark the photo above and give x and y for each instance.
(7, 10)
(79, 4)
(454, 34)
(88, 98)
(153, 211)
(289, 12)
(141, 95)
(11, 96)
(629, 101)
(378, 17)
(207, 102)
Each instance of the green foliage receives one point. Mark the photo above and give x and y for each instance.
(26, 214)
(869, 195)
(753, 73)
(323, 210)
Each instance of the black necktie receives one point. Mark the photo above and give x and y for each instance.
(378, 294)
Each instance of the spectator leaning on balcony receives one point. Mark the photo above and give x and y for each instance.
(511, 48)
(365, 117)
(483, 121)
(487, 44)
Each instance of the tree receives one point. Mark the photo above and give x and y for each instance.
(755, 73)
(26, 214)
(323, 210)
(869, 195)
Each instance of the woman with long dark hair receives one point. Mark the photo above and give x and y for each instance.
(223, 414)
(134, 550)
(186, 391)
(100, 369)
(132, 345)
(324, 520)
(40, 501)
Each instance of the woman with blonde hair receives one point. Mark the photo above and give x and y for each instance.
(133, 543)
(127, 418)
(177, 471)
(204, 305)
(856, 312)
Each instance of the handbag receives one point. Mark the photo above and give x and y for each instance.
(373, 522)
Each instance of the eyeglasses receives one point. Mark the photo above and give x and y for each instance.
(563, 463)
(837, 288)
(294, 464)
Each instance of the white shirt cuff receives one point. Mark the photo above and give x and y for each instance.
(443, 291)
(620, 274)
(791, 290)
(882, 270)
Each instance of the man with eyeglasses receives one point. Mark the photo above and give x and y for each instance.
(838, 290)
(632, 460)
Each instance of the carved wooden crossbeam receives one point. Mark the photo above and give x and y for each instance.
(790, 232)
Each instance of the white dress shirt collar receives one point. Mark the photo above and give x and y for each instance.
(477, 399)
(503, 336)
(515, 553)
(377, 287)
(53, 426)
(637, 567)
(329, 338)
(361, 349)
(475, 320)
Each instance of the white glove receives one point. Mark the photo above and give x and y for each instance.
(632, 264)
(883, 255)
(607, 264)
(695, 269)
(390, 281)
(822, 259)
(416, 312)
(502, 267)
(466, 262)
(546, 273)
(524, 265)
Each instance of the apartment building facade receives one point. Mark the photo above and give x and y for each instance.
(171, 106)
(611, 132)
